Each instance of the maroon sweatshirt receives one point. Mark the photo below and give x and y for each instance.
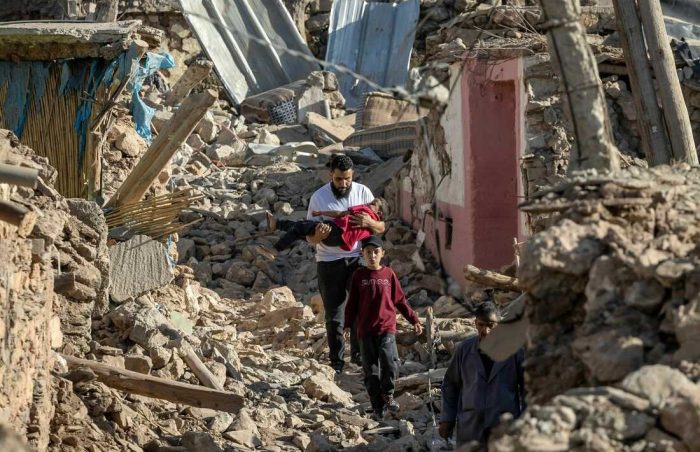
(375, 295)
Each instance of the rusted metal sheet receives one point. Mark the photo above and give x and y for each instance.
(373, 39)
(254, 44)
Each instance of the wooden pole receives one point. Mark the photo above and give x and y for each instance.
(491, 279)
(163, 148)
(663, 62)
(160, 388)
(195, 73)
(18, 216)
(649, 120)
(430, 333)
(576, 66)
(18, 175)
(198, 368)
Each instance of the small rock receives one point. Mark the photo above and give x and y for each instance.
(199, 442)
(138, 363)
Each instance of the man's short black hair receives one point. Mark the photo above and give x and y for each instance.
(340, 162)
(486, 310)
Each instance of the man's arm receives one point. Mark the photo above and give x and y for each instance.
(322, 230)
(329, 213)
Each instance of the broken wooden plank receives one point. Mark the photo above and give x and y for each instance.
(650, 121)
(411, 381)
(163, 148)
(198, 368)
(491, 279)
(195, 73)
(430, 334)
(19, 216)
(18, 175)
(662, 60)
(160, 388)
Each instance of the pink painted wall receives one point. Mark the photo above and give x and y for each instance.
(485, 219)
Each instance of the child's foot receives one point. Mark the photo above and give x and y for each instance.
(271, 222)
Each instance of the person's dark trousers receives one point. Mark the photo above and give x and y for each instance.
(297, 230)
(333, 283)
(380, 367)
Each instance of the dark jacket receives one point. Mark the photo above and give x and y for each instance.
(474, 400)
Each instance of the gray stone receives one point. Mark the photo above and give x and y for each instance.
(138, 363)
(138, 265)
(200, 442)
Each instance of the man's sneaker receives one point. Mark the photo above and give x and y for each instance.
(356, 359)
(377, 414)
(391, 404)
(338, 368)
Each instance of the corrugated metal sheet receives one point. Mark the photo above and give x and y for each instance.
(373, 39)
(246, 40)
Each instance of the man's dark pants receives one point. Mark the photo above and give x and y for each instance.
(333, 283)
(380, 367)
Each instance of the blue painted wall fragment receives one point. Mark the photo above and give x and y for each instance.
(142, 113)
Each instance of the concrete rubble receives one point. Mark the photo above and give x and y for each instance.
(612, 274)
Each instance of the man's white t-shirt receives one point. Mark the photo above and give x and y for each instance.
(324, 199)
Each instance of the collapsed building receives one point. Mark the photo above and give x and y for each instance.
(181, 291)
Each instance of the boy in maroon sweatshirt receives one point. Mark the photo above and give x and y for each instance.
(375, 295)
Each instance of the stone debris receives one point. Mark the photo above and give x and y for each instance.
(611, 275)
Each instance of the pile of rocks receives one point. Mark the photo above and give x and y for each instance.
(613, 284)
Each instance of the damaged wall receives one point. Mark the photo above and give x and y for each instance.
(474, 163)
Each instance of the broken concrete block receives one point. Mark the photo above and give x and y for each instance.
(333, 129)
(129, 142)
(138, 363)
(138, 265)
(280, 317)
(319, 387)
(229, 155)
(200, 442)
(207, 128)
(313, 101)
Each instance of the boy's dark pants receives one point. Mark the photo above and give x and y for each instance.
(333, 283)
(380, 365)
(297, 230)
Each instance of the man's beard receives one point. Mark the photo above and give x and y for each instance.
(340, 194)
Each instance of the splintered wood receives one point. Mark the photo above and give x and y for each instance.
(155, 217)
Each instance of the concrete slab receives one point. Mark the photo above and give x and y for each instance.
(138, 265)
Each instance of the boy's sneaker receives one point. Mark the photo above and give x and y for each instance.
(391, 404)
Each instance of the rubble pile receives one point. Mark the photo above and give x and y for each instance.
(613, 284)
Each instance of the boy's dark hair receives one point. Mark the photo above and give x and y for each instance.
(486, 310)
(340, 162)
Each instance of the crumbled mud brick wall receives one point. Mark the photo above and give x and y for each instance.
(28, 329)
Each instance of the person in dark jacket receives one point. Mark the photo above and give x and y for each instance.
(476, 391)
(375, 296)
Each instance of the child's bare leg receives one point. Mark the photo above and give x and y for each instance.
(271, 222)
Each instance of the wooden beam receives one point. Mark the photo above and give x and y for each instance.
(19, 216)
(430, 333)
(491, 279)
(198, 368)
(195, 73)
(575, 64)
(411, 381)
(649, 120)
(663, 62)
(18, 175)
(163, 148)
(160, 388)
